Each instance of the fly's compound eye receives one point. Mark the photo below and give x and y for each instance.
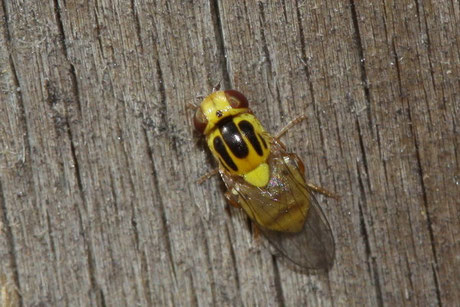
(200, 121)
(236, 99)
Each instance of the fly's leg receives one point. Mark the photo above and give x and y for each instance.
(231, 199)
(217, 86)
(207, 176)
(299, 163)
(322, 190)
(291, 124)
(297, 160)
(312, 186)
(255, 232)
(283, 131)
(192, 106)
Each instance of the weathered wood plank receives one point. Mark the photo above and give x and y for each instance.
(418, 122)
(98, 200)
(40, 193)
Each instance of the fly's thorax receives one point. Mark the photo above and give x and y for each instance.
(239, 143)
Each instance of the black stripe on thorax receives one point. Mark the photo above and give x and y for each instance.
(262, 139)
(248, 130)
(219, 146)
(233, 138)
(223, 164)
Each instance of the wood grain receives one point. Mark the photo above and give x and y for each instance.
(98, 161)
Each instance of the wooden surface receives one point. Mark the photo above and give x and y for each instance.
(98, 160)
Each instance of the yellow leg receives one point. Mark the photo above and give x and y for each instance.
(207, 176)
(292, 123)
(191, 106)
(231, 200)
(322, 191)
(255, 231)
(300, 164)
(217, 86)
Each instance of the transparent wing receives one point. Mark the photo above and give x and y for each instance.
(311, 248)
(287, 213)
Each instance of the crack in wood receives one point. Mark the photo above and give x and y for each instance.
(304, 60)
(278, 285)
(6, 22)
(208, 257)
(8, 233)
(220, 42)
(363, 154)
(137, 24)
(235, 262)
(371, 261)
(436, 282)
(194, 296)
(362, 66)
(145, 280)
(378, 286)
(265, 50)
(161, 207)
(425, 199)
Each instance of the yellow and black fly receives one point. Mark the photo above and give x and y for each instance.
(265, 180)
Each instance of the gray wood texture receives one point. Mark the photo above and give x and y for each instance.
(98, 160)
